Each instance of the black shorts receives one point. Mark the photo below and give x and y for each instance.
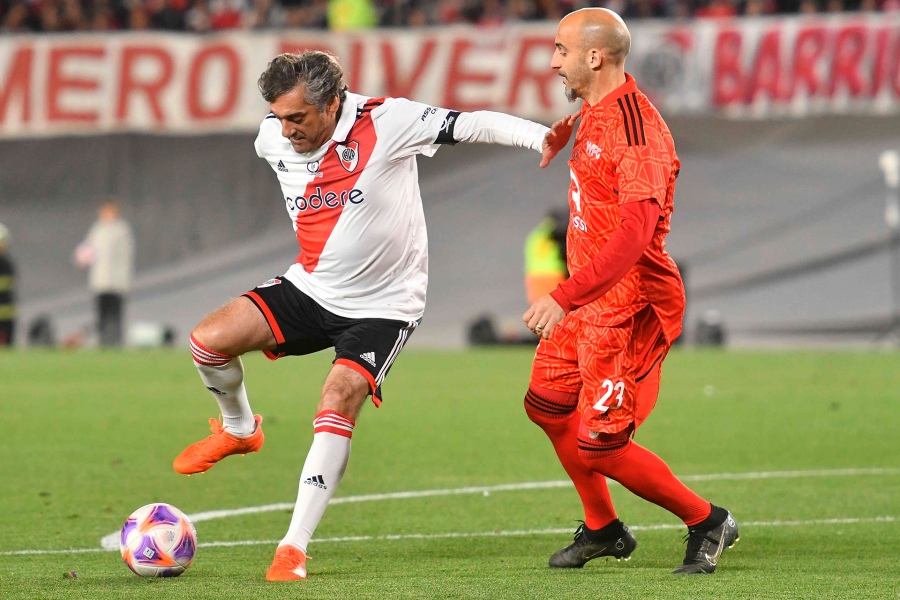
(301, 326)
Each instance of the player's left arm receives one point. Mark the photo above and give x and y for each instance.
(416, 128)
(621, 252)
(489, 127)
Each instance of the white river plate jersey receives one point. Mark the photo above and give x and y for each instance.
(356, 207)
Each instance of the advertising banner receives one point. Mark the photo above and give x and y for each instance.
(185, 84)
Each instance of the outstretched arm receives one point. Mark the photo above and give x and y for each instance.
(495, 128)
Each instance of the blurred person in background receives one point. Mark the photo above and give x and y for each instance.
(108, 254)
(346, 164)
(198, 18)
(167, 15)
(606, 330)
(716, 9)
(7, 291)
(408, 13)
(311, 14)
(545, 255)
(351, 15)
(16, 16)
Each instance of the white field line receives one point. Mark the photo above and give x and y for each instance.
(531, 485)
(111, 541)
(477, 534)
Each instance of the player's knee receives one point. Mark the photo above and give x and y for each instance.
(345, 391)
(346, 403)
(232, 329)
(545, 406)
(211, 337)
(205, 357)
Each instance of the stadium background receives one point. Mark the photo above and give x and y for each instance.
(779, 119)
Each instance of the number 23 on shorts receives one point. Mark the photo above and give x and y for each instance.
(611, 389)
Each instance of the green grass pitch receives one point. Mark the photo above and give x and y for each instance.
(803, 447)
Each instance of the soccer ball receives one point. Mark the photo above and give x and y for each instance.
(158, 540)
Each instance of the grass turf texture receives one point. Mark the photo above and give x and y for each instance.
(89, 437)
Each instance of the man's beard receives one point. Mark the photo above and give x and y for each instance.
(571, 96)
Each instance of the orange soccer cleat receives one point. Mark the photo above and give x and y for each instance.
(289, 564)
(201, 456)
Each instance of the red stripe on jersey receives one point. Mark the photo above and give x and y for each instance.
(314, 226)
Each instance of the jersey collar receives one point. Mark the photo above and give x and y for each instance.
(347, 119)
(629, 86)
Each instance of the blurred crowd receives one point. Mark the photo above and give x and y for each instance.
(212, 15)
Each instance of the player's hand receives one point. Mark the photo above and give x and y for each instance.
(543, 316)
(557, 138)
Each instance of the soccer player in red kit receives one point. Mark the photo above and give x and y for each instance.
(606, 330)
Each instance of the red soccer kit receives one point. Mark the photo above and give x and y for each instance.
(608, 350)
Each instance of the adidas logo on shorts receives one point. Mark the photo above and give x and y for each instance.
(369, 357)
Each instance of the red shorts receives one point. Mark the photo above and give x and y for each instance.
(614, 370)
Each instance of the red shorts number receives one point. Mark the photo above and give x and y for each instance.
(613, 369)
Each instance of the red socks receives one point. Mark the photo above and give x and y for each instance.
(555, 413)
(588, 462)
(646, 475)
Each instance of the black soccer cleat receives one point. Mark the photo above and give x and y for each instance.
(704, 547)
(620, 543)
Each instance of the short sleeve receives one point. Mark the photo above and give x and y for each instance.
(267, 128)
(643, 164)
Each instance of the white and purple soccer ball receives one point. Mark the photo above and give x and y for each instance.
(158, 540)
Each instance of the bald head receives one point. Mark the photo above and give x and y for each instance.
(599, 28)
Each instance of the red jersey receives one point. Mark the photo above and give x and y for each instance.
(624, 153)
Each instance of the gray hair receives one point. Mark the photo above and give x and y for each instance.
(320, 71)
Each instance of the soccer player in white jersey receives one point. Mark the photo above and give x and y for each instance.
(347, 168)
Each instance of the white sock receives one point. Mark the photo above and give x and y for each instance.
(322, 472)
(223, 375)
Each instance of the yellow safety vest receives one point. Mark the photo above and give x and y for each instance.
(543, 255)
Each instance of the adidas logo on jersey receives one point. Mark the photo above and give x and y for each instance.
(369, 357)
(317, 481)
(593, 150)
(281, 166)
